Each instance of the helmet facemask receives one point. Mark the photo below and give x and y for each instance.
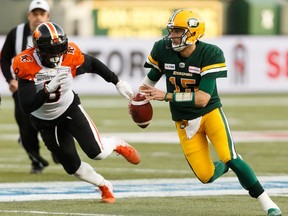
(51, 56)
(183, 39)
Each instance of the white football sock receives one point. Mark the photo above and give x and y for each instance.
(266, 202)
(108, 145)
(88, 174)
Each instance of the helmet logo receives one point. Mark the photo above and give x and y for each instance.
(37, 34)
(55, 40)
(193, 23)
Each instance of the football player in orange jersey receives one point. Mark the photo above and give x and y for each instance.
(45, 75)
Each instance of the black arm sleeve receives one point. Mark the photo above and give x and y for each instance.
(7, 53)
(93, 65)
(30, 99)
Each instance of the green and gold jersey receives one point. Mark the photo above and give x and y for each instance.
(199, 71)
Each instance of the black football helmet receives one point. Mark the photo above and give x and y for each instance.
(51, 43)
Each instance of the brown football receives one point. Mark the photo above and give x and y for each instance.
(141, 110)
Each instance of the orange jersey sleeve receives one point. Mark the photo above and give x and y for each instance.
(73, 58)
(24, 65)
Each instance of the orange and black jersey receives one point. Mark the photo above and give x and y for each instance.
(33, 75)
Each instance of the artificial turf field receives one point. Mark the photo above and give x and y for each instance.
(161, 159)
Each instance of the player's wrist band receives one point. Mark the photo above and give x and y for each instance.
(166, 97)
(183, 97)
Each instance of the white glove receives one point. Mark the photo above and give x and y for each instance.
(54, 84)
(124, 89)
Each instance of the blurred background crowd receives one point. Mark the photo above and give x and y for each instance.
(138, 18)
(121, 33)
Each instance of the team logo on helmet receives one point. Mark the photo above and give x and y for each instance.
(55, 40)
(26, 58)
(37, 34)
(192, 23)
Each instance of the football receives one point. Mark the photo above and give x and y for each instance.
(141, 110)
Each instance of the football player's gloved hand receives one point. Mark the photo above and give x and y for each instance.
(54, 84)
(124, 89)
(130, 105)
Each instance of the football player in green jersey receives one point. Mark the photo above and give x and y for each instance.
(191, 68)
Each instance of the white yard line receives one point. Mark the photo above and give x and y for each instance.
(112, 103)
(35, 191)
(171, 137)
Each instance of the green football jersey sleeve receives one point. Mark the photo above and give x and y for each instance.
(200, 70)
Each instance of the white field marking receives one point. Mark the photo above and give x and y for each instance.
(254, 102)
(54, 213)
(35, 191)
(172, 137)
(276, 124)
(10, 127)
(159, 123)
(227, 102)
(112, 103)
